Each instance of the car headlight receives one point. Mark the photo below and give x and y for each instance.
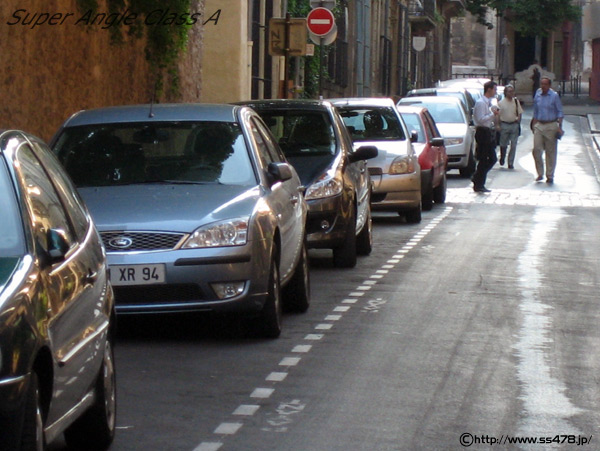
(402, 165)
(453, 141)
(327, 187)
(232, 232)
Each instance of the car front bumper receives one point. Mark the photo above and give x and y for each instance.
(189, 278)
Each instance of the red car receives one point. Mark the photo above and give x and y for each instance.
(429, 145)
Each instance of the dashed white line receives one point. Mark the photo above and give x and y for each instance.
(289, 361)
(314, 337)
(302, 348)
(262, 392)
(323, 326)
(333, 317)
(276, 376)
(228, 428)
(208, 446)
(246, 410)
(341, 308)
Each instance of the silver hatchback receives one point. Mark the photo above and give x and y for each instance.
(197, 207)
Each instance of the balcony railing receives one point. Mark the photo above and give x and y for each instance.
(424, 9)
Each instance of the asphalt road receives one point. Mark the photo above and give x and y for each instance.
(478, 324)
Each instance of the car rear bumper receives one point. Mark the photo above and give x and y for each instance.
(396, 192)
(327, 222)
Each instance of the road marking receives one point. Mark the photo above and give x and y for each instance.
(228, 428)
(302, 348)
(208, 446)
(246, 410)
(280, 422)
(289, 361)
(276, 376)
(262, 393)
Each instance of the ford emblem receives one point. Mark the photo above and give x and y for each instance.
(121, 242)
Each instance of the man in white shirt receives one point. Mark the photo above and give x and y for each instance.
(485, 116)
(510, 125)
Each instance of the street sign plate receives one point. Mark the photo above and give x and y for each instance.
(320, 21)
(297, 37)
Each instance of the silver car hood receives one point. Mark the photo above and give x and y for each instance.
(173, 208)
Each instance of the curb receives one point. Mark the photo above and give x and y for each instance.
(594, 120)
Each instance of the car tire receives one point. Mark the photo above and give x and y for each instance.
(413, 216)
(95, 429)
(364, 240)
(296, 293)
(344, 256)
(439, 192)
(427, 199)
(32, 438)
(270, 318)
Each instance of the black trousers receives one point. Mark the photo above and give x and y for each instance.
(486, 154)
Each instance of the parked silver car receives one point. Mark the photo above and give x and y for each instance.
(57, 320)
(395, 172)
(453, 124)
(197, 206)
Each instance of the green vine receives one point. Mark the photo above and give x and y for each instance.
(164, 27)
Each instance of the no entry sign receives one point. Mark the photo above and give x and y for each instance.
(320, 21)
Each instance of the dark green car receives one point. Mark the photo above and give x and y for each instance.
(56, 307)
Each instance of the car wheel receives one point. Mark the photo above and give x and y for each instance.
(413, 216)
(364, 240)
(270, 318)
(439, 192)
(32, 438)
(95, 429)
(296, 294)
(427, 199)
(344, 256)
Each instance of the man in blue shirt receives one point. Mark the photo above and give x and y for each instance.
(547, 129)
(485, 116)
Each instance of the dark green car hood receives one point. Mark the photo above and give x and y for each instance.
(7, 268)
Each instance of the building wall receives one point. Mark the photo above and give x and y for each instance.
(50, 72)
(226, 56)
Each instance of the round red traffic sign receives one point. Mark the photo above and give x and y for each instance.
(320, 21)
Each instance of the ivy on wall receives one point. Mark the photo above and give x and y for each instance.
(163, 25)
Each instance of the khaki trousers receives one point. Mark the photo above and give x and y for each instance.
(544, 141)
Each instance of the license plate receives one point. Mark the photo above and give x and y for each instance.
(137, 274)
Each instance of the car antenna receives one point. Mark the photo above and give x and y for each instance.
(151, 113)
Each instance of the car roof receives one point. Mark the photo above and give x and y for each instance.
(430, 99)
(287, 104)
(157, 112)
(363, 101)
(406, 108)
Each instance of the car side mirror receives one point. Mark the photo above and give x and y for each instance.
(57, 245)
(437, 142)
(363, 153)
(279, 172)
(414, 136)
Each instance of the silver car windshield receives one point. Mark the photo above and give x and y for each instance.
(372, 124)
(165, 152)
(12, 242)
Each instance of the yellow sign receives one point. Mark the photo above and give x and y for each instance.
(297, 37)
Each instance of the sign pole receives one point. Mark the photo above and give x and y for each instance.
(286, 57)
(321, 68)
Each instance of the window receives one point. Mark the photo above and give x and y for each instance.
(12, 242)
(45, 208)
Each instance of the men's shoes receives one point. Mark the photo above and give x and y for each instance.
(501, 161)
(510, 166)
(539, 178)
(481, 189)
(549, 181)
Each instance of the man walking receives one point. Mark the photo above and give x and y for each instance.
(510, 125)
(484, 117)
(547, 129)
